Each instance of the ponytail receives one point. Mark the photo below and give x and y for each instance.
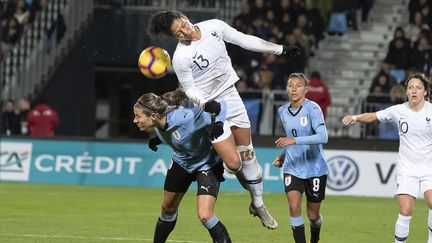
(152, 103)
(175, 98)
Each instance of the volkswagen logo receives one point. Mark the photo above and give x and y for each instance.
(343, 173)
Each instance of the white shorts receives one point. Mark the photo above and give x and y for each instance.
(412, 184)
(236, 112)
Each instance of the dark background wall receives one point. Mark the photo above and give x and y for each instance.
(71, 91)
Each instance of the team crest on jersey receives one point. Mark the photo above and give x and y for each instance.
(428, 122)
(215, 34)
(176, 135)
(303, 121)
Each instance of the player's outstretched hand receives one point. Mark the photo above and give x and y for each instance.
(213, 107)
(216, 130)
(153, 143)
(349, 120)
(291, 51)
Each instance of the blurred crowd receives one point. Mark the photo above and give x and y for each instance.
(409, 51)
(288, 22)
(20, 119)
(15, 17)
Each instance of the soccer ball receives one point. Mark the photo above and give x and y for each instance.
(154, 62)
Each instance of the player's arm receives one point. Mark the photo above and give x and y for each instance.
(319, 137)
(253, 43)
(183, 70)
(363, 118)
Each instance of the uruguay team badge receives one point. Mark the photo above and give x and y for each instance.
(176, 135)
(303, 121)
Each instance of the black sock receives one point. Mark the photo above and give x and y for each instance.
(299, 234)
(315, 233)
(219, 233)
(163, 229)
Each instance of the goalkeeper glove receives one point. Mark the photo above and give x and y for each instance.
(291, 51)
(153, 143)
(213, 107)
(216, 130)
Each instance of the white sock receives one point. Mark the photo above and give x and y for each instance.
(430, 226)
(402, 228)
(252, 175)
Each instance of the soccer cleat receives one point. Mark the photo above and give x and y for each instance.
(266, 219)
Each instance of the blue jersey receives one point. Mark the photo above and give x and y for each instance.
(187, 133)
(305, 159)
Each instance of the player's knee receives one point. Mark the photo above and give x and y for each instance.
(168, 210)
(313, 215)
(405, 211)
(204, 217)
(233, 169)
(295, 209)
(247, 153)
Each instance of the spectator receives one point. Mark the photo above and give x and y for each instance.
(397, 94)
(287, 24)
(242, 20)
(315, 20)
(11, 122)
(22, 12)
(24, 109)
(398, 33)
(421, 56)
(398, 58)
(380, 89)
(296, 7)
(338, 18)
(298, 64)
(303, 40)
(42, 121)
(318, 92)
(307, 31)
(415, 6)
(365, 6)
(414, 29)
(11, 32)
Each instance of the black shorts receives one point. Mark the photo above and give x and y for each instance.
(313, 187)
(179, 180)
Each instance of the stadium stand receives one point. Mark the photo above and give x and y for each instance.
(32, 60)
(348, 63)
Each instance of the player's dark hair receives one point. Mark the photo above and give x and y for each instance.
(175, 98)
(161, 21)
(152, 103)
(422, 77)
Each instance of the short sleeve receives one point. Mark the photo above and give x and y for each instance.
(386, 115)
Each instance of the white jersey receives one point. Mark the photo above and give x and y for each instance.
(204, 68)
(415, 132)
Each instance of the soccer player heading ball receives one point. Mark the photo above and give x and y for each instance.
(188, 132)
(204, 70)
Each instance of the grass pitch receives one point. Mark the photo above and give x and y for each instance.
(64, 213)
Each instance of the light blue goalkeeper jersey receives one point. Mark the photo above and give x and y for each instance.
(187, 133)
(305, 159)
